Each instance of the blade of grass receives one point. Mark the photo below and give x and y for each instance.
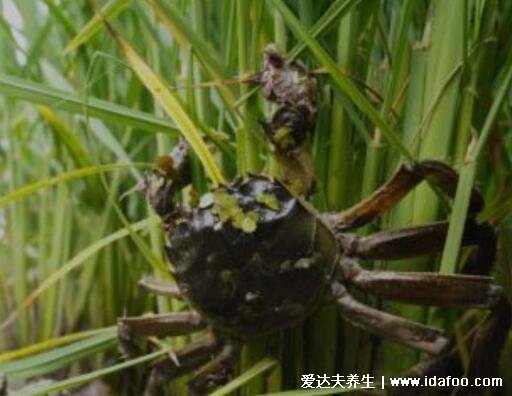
(402, 215)
(74, 263)
(73, 144)
(58, 358)
(82, 379)
(172, 107)
(180, 29)
(34, 92)
(247, 147)
(50, 344)
(466, 181)
(63, 177)
(337, 190)
(18, 226)
(440, 105)
(109, 11)
(336, 10)
(61, 17)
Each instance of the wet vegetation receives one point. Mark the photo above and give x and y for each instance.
(92, 92)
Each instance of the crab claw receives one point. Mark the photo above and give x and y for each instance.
(170, 168)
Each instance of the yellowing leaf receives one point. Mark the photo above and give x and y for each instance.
(172, 107)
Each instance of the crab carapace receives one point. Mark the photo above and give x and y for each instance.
(253, 257)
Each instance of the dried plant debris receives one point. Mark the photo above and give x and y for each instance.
(287, 82)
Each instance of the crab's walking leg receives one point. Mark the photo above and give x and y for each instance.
(426, 239)
(215, 372)
(407, 177)
(184, 361)
(171, 324)
(406, 332)
(162, 289)
(446, 290)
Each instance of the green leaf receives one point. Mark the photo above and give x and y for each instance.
(63, 177)
(74, 263)
(82, 379)
(33, 92)
(172, 107)
(109, 11)
(53, 360)
(466, 181)
(336, 11)
(186, 37)
(73, 144)
(52, 343)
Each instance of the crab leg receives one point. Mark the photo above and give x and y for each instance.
(406, 332)
(427, 288)
(216, 372)
(447, 290)
(162, 289)
(186, 360)
(485, 352)
(171, 324)
(426, 239)
(404, 180)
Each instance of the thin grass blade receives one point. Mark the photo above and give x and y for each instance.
(58, 358)
(74, 263)
(82, 379)
(173, 108)
(109, 11)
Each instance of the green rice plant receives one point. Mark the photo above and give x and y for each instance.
(92, 91)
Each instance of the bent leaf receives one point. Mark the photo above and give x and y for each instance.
(63, 177)
(55, 359)
(82, 379)
(172, 107)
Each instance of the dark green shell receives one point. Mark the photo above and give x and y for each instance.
(251, 283)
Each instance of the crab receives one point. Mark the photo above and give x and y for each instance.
(253, 257)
